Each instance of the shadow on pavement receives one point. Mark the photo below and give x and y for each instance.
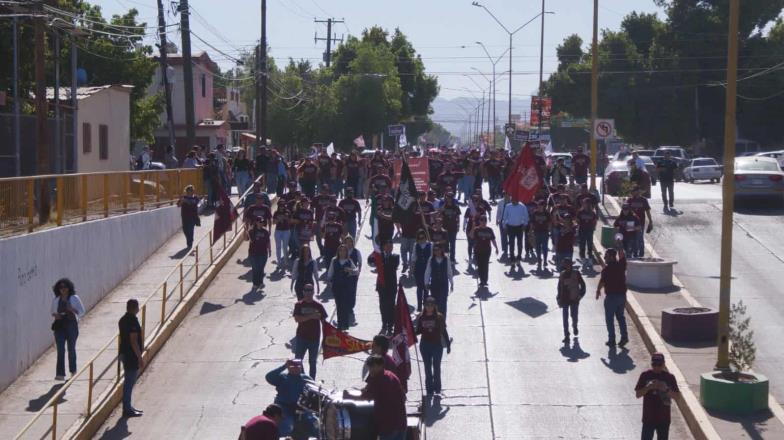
(434, 411)
(180, 254)
(36, 404)
(618, 360)
(277, 275)
(753, 424)
(543, 274)
(118, 431)
(208, 307)
(660, 290)
(530, 306)
(766, 208)
(251, 298)
(516, 272)
(574, 352)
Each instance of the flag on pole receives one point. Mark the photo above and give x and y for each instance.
(225, 213)
(337, 343)
(405, 196)
(525, 180)
(403, 336)
(402, 141)
(507, 145)
(359, 141)
(330, 148)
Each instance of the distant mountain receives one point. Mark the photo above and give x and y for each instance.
(451, 115)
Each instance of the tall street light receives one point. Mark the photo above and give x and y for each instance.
(511, 34)
(489, 99)
(482, 103)
(493, 61)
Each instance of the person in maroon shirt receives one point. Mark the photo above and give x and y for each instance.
(353, 211)
(658, 388)
(541, 221)
(641, 209)
(308, 314)
(483, 237)
(189, 213)
(303, 216)
(264, 426)
(431, 324)
(580, 164)
(628, 225)
(565, 247)
(308, 173)
(586, 221)
(282, 221)
(380, 182)
(320, 203)
(332, 232)
(325, 168)
(613, 280)
(438, 235)
(258, 250)
(585, 195)
(450, 212)
(389, 400)
(386, 227)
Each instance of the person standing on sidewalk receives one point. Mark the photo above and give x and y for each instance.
(131, 346)
(423, 249)
(432, 326)
(308, 314)
(666, 169)
(340, 273)
(304, 271)
(515, 221)
(641, 209)
(483, 237)
(66, 310)
(258, 250)
(189, 213)
(571, 289)
(658, 388)
(613, 281)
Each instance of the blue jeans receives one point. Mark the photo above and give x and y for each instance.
(397, 435)
(351, 227)
(431, 356)
(541, 247)
(187, 228)
(570, 309)
(560, 256)
(585, 238)
(614, 308)
(63, 337)
(302, 345)
(504, 238)
(242, 178)
(257, 263)
(130, 381)
(281, 246)
(272, 182)
(406, 249)
(452, 245)
(639, 244)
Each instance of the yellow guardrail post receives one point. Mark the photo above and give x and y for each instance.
(144, 322)
(141, 192)
(196, 264)
(106, 195)
(60, 190)
(158, 187)
(54, 421)
(84, 197)
(90, 392)
(30, 204)
(126, 190)
(163, 304)
(181, 282)
(211, 244)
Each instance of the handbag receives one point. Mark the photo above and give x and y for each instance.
(58, 324)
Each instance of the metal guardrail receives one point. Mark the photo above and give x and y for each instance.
(35, 202)
(155, 311)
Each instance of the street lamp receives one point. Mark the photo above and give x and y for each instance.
(511, 34)
(493, 62)
(490, 84)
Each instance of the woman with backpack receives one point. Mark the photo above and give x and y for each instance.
(66, 309)
(571, 289)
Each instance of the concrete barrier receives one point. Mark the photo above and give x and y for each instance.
(32, 263)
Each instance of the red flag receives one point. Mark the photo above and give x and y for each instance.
(524, 182)
(225, 213)
(403, 337)
(378, 259)
(337, 343)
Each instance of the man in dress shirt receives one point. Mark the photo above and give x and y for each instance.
(514, 221)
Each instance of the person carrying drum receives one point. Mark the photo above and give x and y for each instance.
(289, 381)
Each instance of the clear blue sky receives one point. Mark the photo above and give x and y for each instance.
(437, 29)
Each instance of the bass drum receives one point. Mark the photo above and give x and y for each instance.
(313, 398)
(348, 420)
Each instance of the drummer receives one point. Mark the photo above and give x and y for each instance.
(381, 347)
(389, 400)
(289, 385)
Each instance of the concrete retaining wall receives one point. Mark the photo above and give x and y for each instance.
(95, 255)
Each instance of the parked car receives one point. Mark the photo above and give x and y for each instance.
(758, 177)
(552, 158)
(678, 154)
(650, 167)
(615, 174)
(703, 168)
(778, 155)
(648, 153)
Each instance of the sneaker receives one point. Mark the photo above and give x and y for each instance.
(132, 413)
(610, 343)
(623, 342)
(566, 339)
(538, 267)
(59, 378)
(255, 287)
(574, 330)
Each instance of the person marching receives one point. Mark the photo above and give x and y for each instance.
(613, 280)
(432, 326)
(483, 236)
(423, 249)
(571, 289)
(450, 211)
(282, 221)
(356, 258)
(438, 277)
(259, 250)
(658, 388)
(514, 221)
(331, 232)
(189, 212)
(586, 219)
(386, 285)
(308, 314)
(340, 274)
(304, 271)
(353, 211)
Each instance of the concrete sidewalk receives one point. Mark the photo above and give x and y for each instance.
(508, 376)
(693, 359)
(30, 392)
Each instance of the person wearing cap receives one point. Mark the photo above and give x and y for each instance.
(658, 388)
(423, 249)
(353, 211)
(639, 205)
(259, 250)
(571, 289)
(289, 381)
(389, 400)
(613, 281)
(431, 325)
(628, 224)
(386, 285)
(308, 314)
(264, 426)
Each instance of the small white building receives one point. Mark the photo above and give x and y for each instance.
(103, 136)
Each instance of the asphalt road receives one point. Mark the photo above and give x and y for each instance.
(692, 237)
(508, 376)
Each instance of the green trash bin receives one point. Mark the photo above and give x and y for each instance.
(608, 237)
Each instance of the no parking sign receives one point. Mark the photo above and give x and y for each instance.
(603, 128)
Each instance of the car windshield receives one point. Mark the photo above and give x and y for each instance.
(673, 153)
(755, 165)
(704, 163)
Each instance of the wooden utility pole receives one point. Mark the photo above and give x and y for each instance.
(187, 69)
(261, 81)
(41, 113)
(594, 91)
(330, 38)
(165, 74)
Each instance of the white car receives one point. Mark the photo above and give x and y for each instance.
(552, 158)
(778, 155)
(757, 177)
(703, 168)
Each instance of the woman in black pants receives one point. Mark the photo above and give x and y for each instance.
(189, 212)
(304, 271)
(66, 310)
(432, 326)
(483, 237)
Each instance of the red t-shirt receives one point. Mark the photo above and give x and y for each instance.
(565, 240)
(580, 163)
(541, 221)
(389, 402)
(483, 236)
(259, 242)
(655, 404)
(430, 328)
(351, 207)
(614, 277)
(639, 205)
(332, 233)
(311, 329)
(261, 428)
(586, 218)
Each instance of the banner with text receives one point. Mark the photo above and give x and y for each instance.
(420, 171)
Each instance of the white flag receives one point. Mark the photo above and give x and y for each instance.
(403, 141)
(330, 148)
(507, 145)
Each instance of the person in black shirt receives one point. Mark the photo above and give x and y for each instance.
(130, 354)
(666, 168)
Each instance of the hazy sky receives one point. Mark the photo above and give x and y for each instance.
(437, 29)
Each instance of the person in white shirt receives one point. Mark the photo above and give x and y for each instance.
(515, 220)
(66, 310)
(499, 217)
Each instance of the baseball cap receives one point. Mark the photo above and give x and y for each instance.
(293, 362)
(657, 359)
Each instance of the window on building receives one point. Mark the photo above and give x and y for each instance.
(204, 86)
(87, 138)
(103, 142)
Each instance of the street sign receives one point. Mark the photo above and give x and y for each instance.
(396, 129)
(522, 135)
(603, 128)
(509, 129)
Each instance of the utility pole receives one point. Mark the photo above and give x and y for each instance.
(74, 103)
(17, 110)
(541, 68)
(187, 70)
(594, 90)
(165, 73)
(41, 112)
(58, 155)
(330, 38)
(261, 80)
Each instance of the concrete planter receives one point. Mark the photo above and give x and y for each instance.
(650, 273)
(689, 324)
(745, 396)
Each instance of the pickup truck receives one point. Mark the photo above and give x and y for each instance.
(678, 154)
